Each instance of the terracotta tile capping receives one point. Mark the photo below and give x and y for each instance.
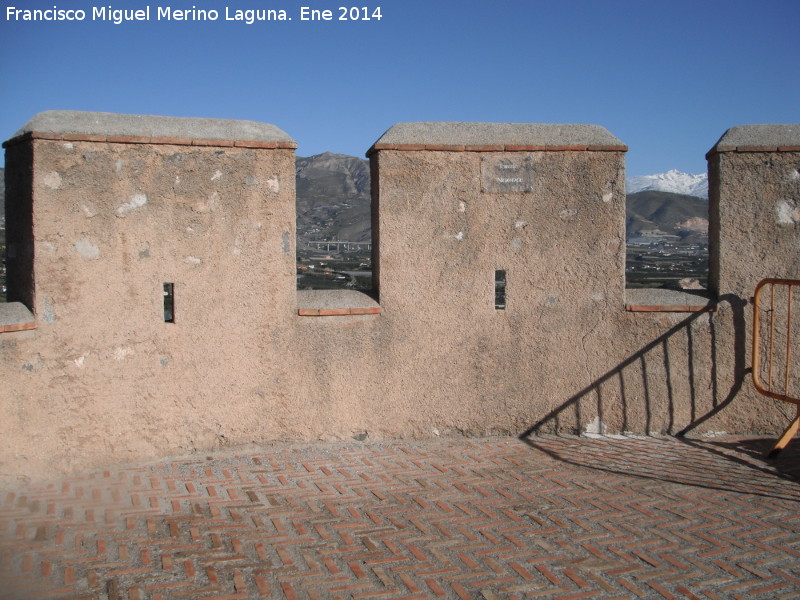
(756, 148)
(484, 148)
(719, 150)
(265, 145)
(338, 312)
(722, 149)
(334, 312)
(495, 148)
(669, 308)
(369, 310)
(619, 148)
(128, 139)
(23, 138)
(566, 147)
(524, 148)
(172, 141)
(445, 147)
(8, 328)
(221, 143)
(131, 139)
(15, 316)
(75, 137)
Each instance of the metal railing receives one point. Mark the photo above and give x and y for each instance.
(776, 332)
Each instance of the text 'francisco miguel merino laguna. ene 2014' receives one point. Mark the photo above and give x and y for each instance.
(167, 13)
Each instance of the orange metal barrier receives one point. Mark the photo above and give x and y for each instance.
(775, 335)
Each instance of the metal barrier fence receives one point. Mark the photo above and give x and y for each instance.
(776, 332)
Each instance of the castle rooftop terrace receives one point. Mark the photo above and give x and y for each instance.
(554, 517)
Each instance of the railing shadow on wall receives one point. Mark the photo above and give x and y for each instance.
(638, 372)
(686, 368)
(699, 398)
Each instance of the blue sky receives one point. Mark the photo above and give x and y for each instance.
(667, 78)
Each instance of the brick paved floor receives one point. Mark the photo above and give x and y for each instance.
(468, 518)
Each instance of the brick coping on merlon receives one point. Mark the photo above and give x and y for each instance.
(497, 137)
(759, 138)
(81, 126)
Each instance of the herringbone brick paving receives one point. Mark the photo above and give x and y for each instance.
(546, 517)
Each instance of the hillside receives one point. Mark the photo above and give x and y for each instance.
(675, 214)
(333, 198)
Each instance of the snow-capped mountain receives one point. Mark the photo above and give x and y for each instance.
(672, 181)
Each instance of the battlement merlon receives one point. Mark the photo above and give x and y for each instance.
(497, 137)
(759, 138)
(68, 125)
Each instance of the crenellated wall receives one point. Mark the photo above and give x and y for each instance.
(103, 210)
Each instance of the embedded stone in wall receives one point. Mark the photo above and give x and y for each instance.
(136, 201)
(87, 249)
(787, 212)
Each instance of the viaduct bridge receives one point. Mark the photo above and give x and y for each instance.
(339, 245)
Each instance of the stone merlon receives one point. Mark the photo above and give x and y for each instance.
(455, 136)
(77, 125)
(762, 137)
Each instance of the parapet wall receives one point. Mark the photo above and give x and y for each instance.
(500, 305)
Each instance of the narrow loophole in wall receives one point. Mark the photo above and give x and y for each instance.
(169, 303)
(500, 289)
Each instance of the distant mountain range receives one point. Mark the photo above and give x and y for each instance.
(672, 181)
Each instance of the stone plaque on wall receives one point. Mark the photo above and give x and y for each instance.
(507, 174)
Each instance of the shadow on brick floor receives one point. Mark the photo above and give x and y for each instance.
(694, 462)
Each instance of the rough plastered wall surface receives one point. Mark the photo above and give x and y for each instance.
(442, 237)
(754, 201)
(758, 208)
(103, 377)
